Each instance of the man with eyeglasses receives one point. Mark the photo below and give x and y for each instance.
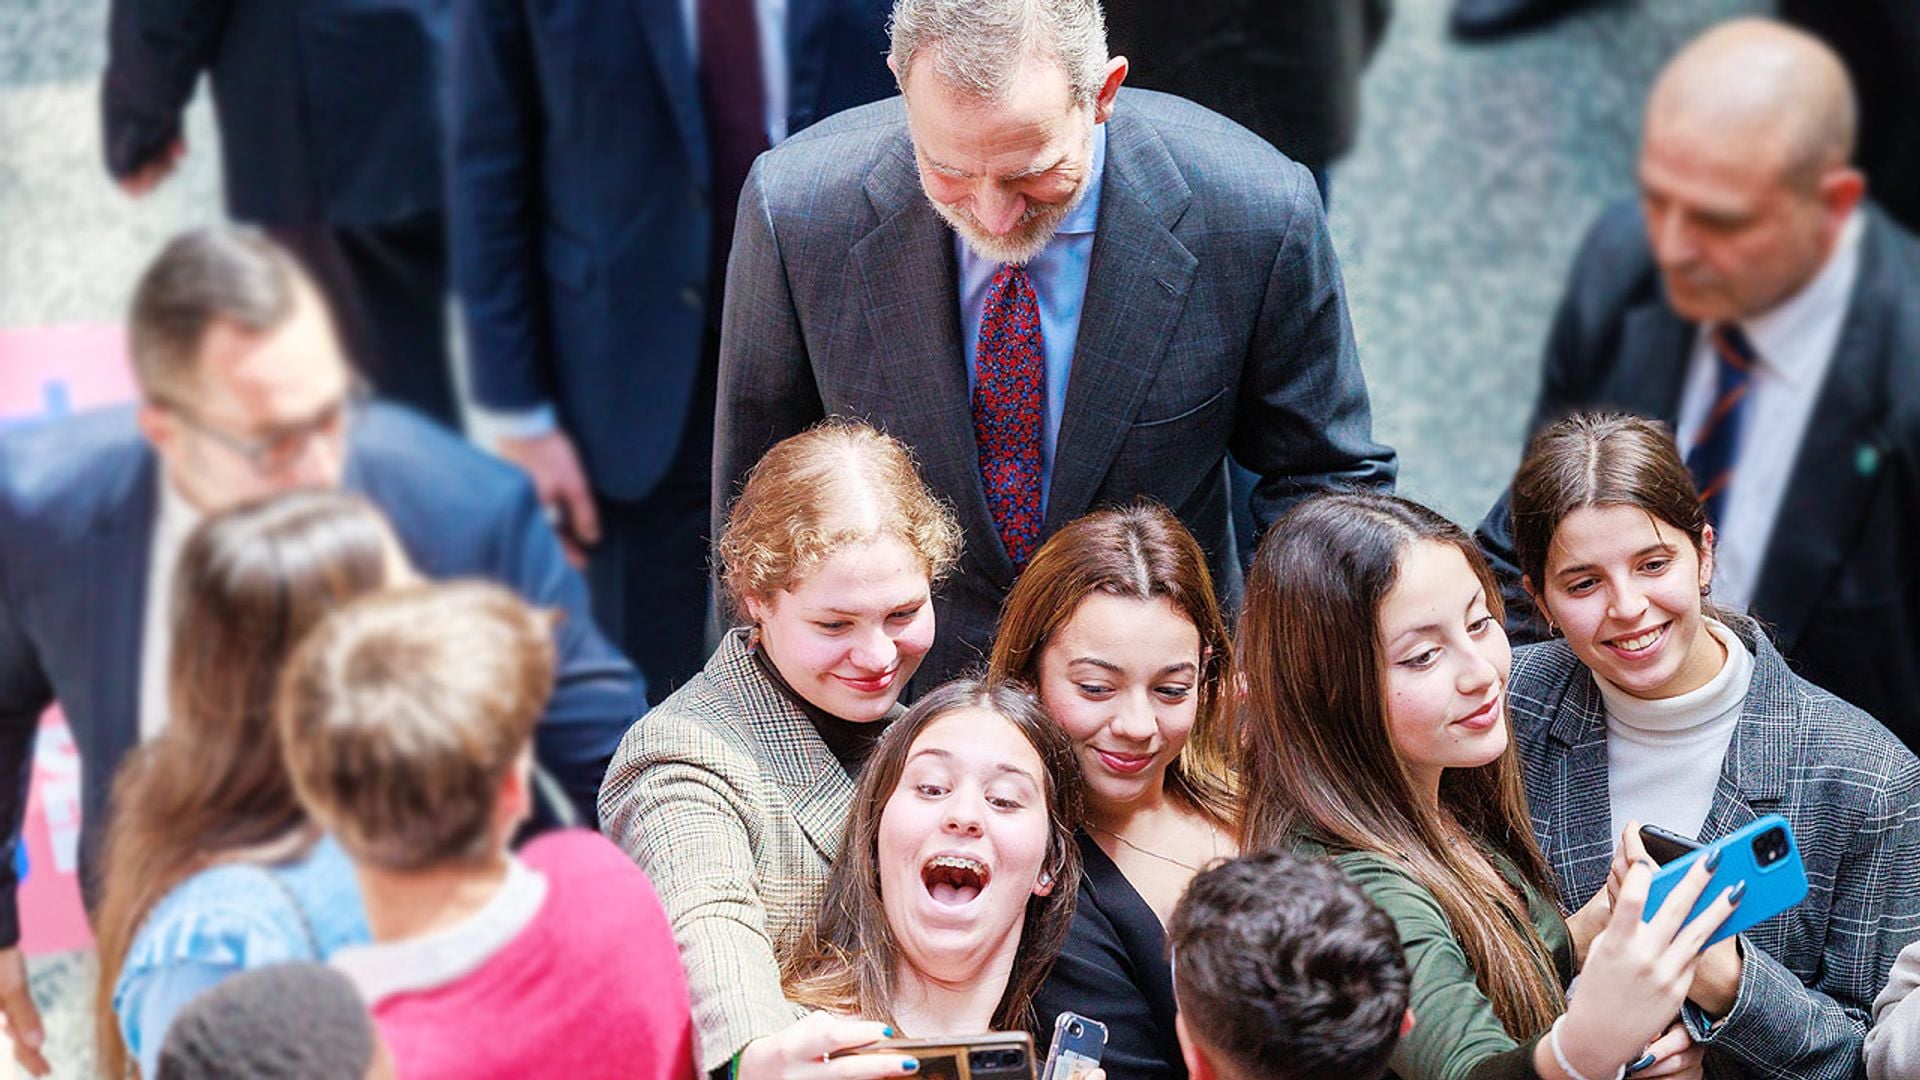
(245, 393)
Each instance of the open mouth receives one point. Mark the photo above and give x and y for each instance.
(1640, 643)
(954, 880)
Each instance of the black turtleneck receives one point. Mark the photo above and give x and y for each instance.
(849, 740)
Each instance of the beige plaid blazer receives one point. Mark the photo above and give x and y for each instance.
(726, 796)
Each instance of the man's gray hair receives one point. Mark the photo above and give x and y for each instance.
(976, 46)
(229, 272)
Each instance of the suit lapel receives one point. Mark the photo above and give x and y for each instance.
(906, 267)
(1582, 842)
(665, 29)
(1136, 289)
(1655, 348)
(119, 547)
(1841, 460)
(815, 786)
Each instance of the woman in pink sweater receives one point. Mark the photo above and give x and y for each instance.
(407, 722)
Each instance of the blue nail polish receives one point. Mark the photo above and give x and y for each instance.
(1739, 891)
(910, 1065)
(887, 1032)
(1713, 859)
(1645, 1060)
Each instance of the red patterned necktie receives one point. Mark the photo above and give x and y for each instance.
(1009, 376)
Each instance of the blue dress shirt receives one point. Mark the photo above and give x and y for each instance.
(1059, 276)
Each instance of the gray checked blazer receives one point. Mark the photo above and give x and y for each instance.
(726, 796)
(1215, 319)
(1852, 794)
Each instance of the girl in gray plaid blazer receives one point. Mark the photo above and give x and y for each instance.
(1657, 708)
(731, 794)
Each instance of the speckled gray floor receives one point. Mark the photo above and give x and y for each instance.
(1477, 172)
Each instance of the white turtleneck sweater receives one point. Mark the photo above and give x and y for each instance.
(1664, 756)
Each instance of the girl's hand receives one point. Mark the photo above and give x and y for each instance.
(1637, 972)
(1675, 1054)
(803, 1051)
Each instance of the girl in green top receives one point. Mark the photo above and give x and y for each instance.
(1374, 668)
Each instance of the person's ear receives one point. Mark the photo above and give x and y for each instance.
(1191, 1052)
(1406, 1023)
(514, 799)
(1840, 191)
(1043, 885)
(756, 608)
(1539, 602)
(1706, 559)
(1103, 101)
(157, 425)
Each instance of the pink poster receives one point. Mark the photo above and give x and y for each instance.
(47, 373)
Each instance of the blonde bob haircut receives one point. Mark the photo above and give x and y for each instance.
(839, 483)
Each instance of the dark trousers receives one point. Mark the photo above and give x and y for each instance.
(648, 574)
(387, 286)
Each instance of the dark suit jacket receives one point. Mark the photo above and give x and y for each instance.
(1289, 71)
(77, 507)
(578, 206)
(1839, 587)
(328, 109)
(1852, 795)
(1215, 319)
(1113, 968)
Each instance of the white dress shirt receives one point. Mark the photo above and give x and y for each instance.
(1794, 343)
(174, 521)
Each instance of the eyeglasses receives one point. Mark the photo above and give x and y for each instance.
(276, 453)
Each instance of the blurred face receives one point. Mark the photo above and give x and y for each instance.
(1447, 663)
(1005, 174)
(1732, 234)
(963, 845)
(1122, 678)
(849, 637)
(268, 412)
(1624, 587)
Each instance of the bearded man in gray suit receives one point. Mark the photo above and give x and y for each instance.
(1060, 294)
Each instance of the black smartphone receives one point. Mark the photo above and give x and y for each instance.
(996, 1055)
(1077, 1045)
(1666, 846)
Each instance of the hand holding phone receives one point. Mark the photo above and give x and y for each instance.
(1077, 1045)
(1760, 862)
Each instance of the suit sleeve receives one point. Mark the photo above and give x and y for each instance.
(24, 695)
(494, 219)
(693, 825)
(1783, 1027)
(156, 50)
(766, 389)
(596, 692)
(1304, 423)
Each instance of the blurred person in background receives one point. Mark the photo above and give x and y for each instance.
(329, 116)
(243, 392)
(407, 720)
(596, 152)
(211, 866)
(1758, 304)
(293, 1021)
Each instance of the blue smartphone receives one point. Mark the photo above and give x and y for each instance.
(1077, 1044)
(1762, 854)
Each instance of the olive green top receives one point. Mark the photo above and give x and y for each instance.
(1456, 1035)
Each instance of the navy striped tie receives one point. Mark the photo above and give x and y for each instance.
(1711, 458)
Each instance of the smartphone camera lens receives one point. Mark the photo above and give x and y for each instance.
(995, 1060)
(1770, 847)
(1076, 1029)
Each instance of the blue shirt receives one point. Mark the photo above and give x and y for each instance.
(227, 919)
(1059, 276)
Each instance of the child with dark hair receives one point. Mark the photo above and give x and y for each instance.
(1294, 970)
(282, 1022)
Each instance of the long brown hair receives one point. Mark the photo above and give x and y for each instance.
(1599, 460)
(249, 583)
(844, 962)
(1320, 760)
(1137, 553)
